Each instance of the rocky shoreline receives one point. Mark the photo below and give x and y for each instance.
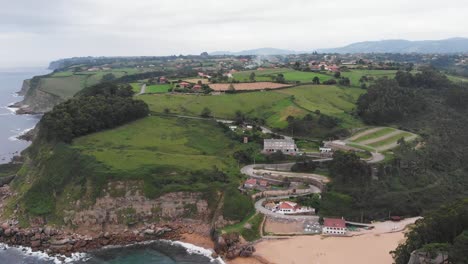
(58, 242)
(61, 242)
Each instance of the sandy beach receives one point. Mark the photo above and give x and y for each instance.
(368, 246)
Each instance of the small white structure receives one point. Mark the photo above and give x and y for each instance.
(287, 146)
(334, 226)
(233, 128)
(325, 150)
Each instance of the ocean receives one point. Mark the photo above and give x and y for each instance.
(11, 126)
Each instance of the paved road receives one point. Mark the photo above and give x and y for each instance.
(249, 171)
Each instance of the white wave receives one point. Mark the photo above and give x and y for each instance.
(16, 137)
(58, 259)
(192, 249)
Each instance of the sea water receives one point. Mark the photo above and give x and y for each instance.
(12, 125)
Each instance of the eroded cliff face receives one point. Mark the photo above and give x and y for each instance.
(37, 101)
(124, 207)
(25, 87)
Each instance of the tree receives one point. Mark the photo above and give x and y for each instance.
(385, 101)
(280, 78)
(316, 80)
(348, 169)
(231, 88)
(252, 77)
(337, 74)
(459, 252)
(344, 81)
(108, 77)
(206, 112)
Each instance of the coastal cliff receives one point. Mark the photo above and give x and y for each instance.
(36, 100)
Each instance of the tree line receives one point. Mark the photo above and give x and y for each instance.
(95, 108)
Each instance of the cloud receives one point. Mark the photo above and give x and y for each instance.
(42, 30)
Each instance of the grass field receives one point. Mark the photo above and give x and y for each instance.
(355, 75)
(457, 79)
(67, 83)
(273, 106)
(184, 144)
(289, 74)
(379, 138)
(158, 88)
(136, 87)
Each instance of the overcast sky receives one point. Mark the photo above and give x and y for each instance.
(34, 32)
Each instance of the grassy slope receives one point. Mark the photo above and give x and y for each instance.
(330, 100)
(273, 106)
(155, 141)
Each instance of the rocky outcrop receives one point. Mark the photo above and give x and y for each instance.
(421, 257)
(57, 241)
(231, 247)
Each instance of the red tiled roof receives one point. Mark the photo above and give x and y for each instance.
(286, 206)
(263, 183)
(334, 222)
(251, 181)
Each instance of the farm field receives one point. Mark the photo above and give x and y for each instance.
(355, 75)
(158, 88)
(273, 106)
(260, 75)
(181, 144)
(64, 87)
(379, 138)
(330, 100)
(66, 84)
(289, 74)
(248, 86)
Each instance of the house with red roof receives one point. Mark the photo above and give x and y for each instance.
(263, 183)
(163, 80)
(250, 183)
(197, 87)
(287, 207)
(334, 226)
(333, 68)
(184, 84)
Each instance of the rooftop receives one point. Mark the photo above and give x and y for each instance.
(334, 222)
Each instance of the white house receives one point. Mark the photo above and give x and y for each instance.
(292, 208)
(334, 226)
(325, 150)
(287, 146)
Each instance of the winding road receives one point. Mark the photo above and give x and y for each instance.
(249, 170)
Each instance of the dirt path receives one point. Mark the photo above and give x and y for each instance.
(143, 89)
(394, 144)
(366, 132)
(377, 139)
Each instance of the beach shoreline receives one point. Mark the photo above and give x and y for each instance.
(320, 249)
